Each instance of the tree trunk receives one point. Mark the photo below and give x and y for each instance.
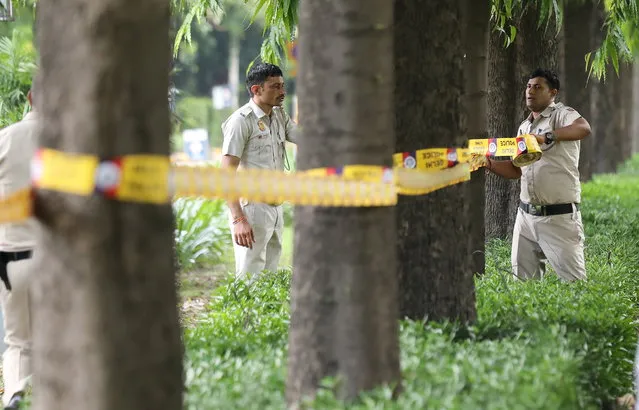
(344, 289)
(502, 195)
(534, 47)
(604, 129)
(605, 110)
(476, 21)
(627, 111)
(537, 47)
(577, 88)
(436, 280)
(234, 67)
(106, 330)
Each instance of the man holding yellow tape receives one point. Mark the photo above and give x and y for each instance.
(548, 224)
(18, 143)
(255, 137)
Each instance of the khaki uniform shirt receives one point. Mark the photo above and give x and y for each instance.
(18, 143)
(554, 179)
(256, 138)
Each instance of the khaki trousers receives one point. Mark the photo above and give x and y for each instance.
(267, 222)
(16, 307)
(556, 238)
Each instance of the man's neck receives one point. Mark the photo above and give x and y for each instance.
(264, 107)
(537, 114)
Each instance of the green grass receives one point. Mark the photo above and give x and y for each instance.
(536, 345)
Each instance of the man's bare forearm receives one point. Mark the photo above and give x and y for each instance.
(232, 162)
(504, 169)
(576, 131)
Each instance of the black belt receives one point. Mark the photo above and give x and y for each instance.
(5, 258)
(547, 210)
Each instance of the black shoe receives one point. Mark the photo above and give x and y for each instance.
(14, 404)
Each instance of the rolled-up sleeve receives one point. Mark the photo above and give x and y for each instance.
(236, 133)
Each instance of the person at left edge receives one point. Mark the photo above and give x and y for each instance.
(18, 143)
(255, 137)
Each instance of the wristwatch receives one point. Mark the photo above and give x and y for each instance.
(550, 138)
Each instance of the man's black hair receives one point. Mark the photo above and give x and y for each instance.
(259, 73)
(551, 77)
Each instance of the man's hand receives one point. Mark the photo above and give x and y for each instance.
(541, 139)
(243, 233)
(477, 161)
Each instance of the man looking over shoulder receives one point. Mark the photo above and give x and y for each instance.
(548, 224)
(255, 137)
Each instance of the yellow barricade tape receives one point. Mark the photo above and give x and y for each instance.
(276, 187)
(64, 172)
(16, 207)
(523, 150)
(418, 182)
(135, 178)
(151, 179)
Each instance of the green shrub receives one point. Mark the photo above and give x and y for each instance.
(202, 234)
(536, 345)
(17, 58)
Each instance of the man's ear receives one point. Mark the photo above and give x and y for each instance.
(554, 92)
(255, 89)
(30, 97)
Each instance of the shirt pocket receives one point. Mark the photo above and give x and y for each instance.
(259, 148)
(257, 142)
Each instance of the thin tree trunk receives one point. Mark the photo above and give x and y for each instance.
(535, 47)
(604, 128)
(503, 93)
(476, 22)
(605, 121)
(577, 87)
(436, 280)
(106, 330)
(626, 110)
(234, 67)
(344, 290)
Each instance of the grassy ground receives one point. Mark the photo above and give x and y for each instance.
(536, 345)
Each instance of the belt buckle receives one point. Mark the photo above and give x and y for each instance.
(535, 209)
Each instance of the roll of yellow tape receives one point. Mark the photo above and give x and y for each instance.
(523, 150)
(528, 151)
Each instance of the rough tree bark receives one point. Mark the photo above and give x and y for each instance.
(476, 22)
(577, 88)
(502, 194)
(627, 111)
(535, 47)
(605, 122)
(436, 280)
(106, 330)
(344, 290)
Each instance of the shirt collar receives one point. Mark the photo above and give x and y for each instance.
(256, 109)
(545, 113)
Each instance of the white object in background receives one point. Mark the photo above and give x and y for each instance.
(222, 96)
(196, 144)
(6, 10)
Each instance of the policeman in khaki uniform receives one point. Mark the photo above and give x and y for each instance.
(548, 224)
(254, 137)
(18, 144)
